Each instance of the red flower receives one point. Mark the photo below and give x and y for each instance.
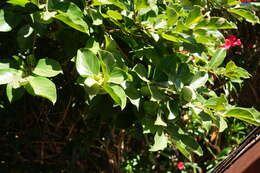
(231, 41)
(180, 165)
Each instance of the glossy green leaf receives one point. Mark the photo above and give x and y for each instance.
(117, 93)
(174, 37)
(184, 142)
(96, 17)
(65, 6)
(249, 115)
(141, 71)
(87, 63)
(8, 75)
(173, 109)
(217, 58)
(117, 76)
(21, 3)
(140, 4)
(234, 72)
(194, 16)
(47, 67)
(215, 23)
(133, 94)
(222, 124)
(114, 14)
(183, 149)
(100, 2)
(73, 21)
(217, 103)
(199, 80)
(43, 87)
(209, 36)
(160, 141)
(248, 15)
(118, 4)
(172, 16)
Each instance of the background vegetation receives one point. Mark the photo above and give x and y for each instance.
(126, 86)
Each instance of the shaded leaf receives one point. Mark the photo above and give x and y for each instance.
(14, 94)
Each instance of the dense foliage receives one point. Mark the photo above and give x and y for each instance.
(109, 82)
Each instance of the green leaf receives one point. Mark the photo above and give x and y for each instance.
(87, 64)
(133, 95)
(8, 20)
(160, 141)
(222, 124)
(172, 16)
(249, 115)
(117, 76)
(199, 80)
(175, 37)
(100, 2)
(108, 58)
(217, 58)
(8, 75)
(47, 67)
(215, 23)
(73, 21)
(188, 94)
(234, 72)
(21, 3)
(96, 17)
(14, 94)
(117, 93)
(65, 6)
(140, 4)
(173, 109)
(43, 87)
(114, 14)
(5, 63)
(156, 94)
(159, 121)
(217, 103)
(141, 72)
(248, 15)
(209, 36)
(118, 4)
(184, 142)
(194, 16)
(183, 149)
